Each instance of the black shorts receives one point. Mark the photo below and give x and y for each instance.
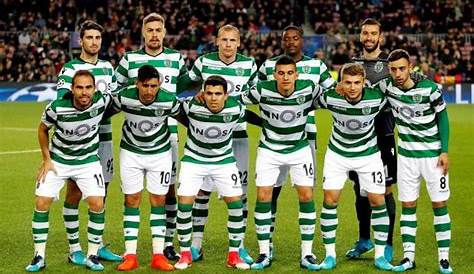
(388, 152)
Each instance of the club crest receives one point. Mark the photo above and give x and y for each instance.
(417, 98)
(378, 67)
(239, 71)
(306, 69)
(300, 99)
(366, 110)
(227, 118)
(94, 112)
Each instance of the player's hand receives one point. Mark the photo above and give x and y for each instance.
(45, 167)
(443, 162)
(200, 97)
(340, 89)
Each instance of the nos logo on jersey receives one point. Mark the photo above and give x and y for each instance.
(81, 130)
(366, 110)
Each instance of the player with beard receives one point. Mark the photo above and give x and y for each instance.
(375, 63)
(170, 65)
(105, 82)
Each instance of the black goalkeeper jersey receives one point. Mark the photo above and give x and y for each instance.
(376, 70)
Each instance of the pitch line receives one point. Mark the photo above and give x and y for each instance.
(18, 129)
(19, 151)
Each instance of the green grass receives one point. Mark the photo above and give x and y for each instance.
(17, 173)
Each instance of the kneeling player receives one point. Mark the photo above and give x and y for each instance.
(73, 156)
(423, 135)
(353, 147)
(208, 154)
(145, 151)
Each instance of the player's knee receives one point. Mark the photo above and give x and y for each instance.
(43, 203)
(410, 204)
(96, 203)
(439, 204)
(157, 200)
(264, 194)
(388, 190)
(133, 200)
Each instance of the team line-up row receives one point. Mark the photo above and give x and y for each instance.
(216, 148)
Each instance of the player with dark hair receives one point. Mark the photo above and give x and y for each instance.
(308, 68)
(105, 82)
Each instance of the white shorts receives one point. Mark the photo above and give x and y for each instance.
(299, 163)
(284, 169)
(175, 159)
(369, 169)
(225, 177)
(240, 147)
(135, 167)
(88, 178)
(106, 154)
(411, 171)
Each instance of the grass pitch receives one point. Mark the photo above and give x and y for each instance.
(18, 166)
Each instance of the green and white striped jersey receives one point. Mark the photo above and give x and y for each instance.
(240, 75)
(76, 135)
(353, 132)
(105, 82)
(308, 69)
(284, 118)
(169, 63)
(145, 128)
(415, 115)
(210, 134)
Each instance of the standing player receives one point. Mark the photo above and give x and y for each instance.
(91, 40)
(240, 73)
(308, 69)
(170, 65)
(145, 151)
(423, 136)
(73, 156)
(284, 104)
(374, 61)
(208, 154)
(353, 146)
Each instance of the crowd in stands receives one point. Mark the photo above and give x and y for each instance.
(38, 37)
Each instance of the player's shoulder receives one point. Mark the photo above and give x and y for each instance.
(427, 84)
(303, 83)
(73, 62)
(232, 102)
(132, 53)
(170, 51)
(165, 95)
(242, 58)
(105, 63)
(266, 84)
(373, 92)
(128, 91)
(214, 56)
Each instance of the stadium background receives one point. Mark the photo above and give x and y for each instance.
(38, 37)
